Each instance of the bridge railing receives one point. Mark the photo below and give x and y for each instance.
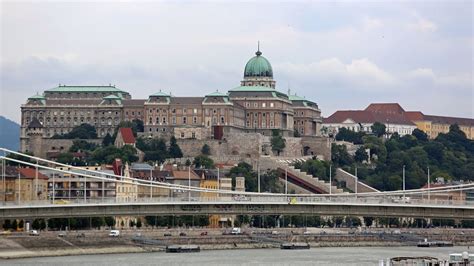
(246, 199)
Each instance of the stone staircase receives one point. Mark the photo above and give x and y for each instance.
(321, 184)
(304, 183)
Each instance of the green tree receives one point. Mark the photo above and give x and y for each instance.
(206, 150)
(83, 131)
(174, 149)
(361, 155)
(202, 161)
(340, 156)
(139, 223)
(109, 221)
(350, 136)
(420, 135)
(378, 129)
(108, 140)
(277, 141)
(7, 225)
(14, 225)
(82, 145)
(65, 157)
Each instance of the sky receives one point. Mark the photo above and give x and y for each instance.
(341, 55)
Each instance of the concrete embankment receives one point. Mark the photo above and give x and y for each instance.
(98, 242)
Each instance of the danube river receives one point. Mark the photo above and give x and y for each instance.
(314, 256)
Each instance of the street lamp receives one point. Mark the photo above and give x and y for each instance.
(404, 181)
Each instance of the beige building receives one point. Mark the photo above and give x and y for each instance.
(255, 106)
(433, 125)
(23, 184)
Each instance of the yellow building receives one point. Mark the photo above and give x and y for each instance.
(126, 192)
(434, 125)
(209, 180)
(20, 185)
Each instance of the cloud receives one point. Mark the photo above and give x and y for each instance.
(426, 76)
(359, 73)
(371, 23)
(423, 25)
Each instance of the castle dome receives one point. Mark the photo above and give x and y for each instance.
(258, 66)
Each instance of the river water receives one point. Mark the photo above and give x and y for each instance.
(314, 256)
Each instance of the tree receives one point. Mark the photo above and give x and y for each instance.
(139, 223)
(361, 155)
(378, 129)
(203, 161)
(108, 140)
(206, 150)
(277, 141)
(82, 145)
(368, 221)
(14, 225)
(7, 225)
(65, 157)
(109, 221)
(350, 136)
(420, 135)
(339, 155)
(174, 149)
(18, 157)
(83, 131)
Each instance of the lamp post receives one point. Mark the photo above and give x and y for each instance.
(429, 196)
(286, 181)
(356, 180)
(189, 183)
(330, 179)
(403, 181)
(258, 175)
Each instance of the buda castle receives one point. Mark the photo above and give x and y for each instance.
(256, 106)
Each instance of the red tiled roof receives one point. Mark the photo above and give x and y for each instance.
(450, 120)
(367, 117)
(415, 115)
(179, 174)
(390, 108)
(30, 173)
(127, 135)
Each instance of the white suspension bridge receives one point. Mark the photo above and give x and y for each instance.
(418, 203)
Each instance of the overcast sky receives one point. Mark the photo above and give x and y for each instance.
(341, 55)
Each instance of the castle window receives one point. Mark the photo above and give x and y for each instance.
(264, 105)
(195, 111)
(184, 110)
(173, 110)
(164, 119)
(272, 105)
(150, 130)
(193, 135)
(149, 121)
(247, 104)
(255, 105)
(182, 135)
(164, 129)
(184, 120)
(222, 120)
(174, 120)
(157, 120)
(151, 111)
(194, 120)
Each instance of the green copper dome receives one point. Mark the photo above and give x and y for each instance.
(258, 66)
